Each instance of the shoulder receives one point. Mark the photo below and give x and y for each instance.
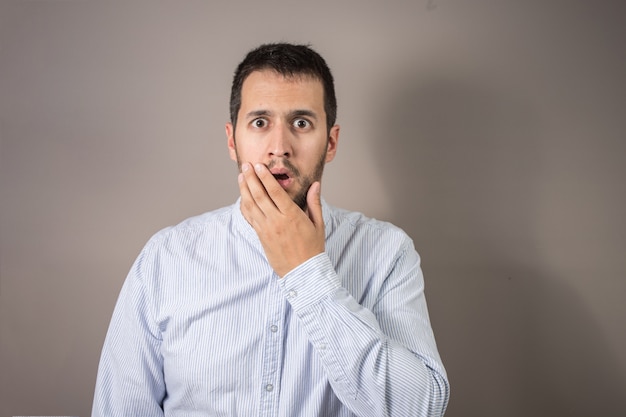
(211, 223)
(367, 253)
(357, 225)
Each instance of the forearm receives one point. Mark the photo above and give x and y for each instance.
(370, 372)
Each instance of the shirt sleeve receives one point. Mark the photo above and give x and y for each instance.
(381, 361)
(130, 375)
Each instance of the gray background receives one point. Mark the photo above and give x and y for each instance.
(493, 132)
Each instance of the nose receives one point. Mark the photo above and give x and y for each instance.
(279, 143)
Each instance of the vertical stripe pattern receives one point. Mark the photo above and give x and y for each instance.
(204, 327)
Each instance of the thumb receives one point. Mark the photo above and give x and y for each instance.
(314, 203)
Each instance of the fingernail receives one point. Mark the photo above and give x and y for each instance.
(258, 167)
(240, 177)
(245, 166)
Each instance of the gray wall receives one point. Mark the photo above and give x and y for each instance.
(492, 131)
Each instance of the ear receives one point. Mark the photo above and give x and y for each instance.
(333, 139)
(230, 135)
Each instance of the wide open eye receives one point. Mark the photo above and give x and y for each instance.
(301, 124)
(259, 123)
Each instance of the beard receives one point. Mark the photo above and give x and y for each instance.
(304, 181)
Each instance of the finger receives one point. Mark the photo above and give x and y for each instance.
(314, 203)
(257, 189)
(249, 206)
(276, 193)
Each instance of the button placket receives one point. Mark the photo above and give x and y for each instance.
(272, 348)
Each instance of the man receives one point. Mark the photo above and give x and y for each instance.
(279, 305)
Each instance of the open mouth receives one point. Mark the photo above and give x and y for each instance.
(280, 177)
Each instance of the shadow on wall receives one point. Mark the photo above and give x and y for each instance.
(463, 164)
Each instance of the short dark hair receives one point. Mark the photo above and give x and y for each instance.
(289, 60)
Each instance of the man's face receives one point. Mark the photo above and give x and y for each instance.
(282, 124)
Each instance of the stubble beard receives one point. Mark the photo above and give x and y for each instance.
(305, 182)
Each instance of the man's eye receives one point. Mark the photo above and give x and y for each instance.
(301, 124)
(259, 123)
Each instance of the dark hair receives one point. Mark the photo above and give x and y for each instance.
(288, 60)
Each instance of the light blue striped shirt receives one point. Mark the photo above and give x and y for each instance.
(204, 327)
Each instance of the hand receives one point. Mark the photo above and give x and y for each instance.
(289, 235)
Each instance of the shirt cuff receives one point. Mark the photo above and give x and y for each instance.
(310, 282)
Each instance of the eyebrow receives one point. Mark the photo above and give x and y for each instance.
(308, 113)
(291, 114)
(257, 113)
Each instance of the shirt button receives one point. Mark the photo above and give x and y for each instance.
(269, 387)
(322, 346)
(274, 328)
(292, 294)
